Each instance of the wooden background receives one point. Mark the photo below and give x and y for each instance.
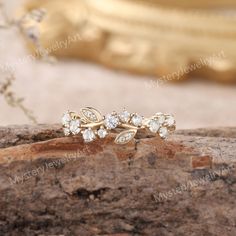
(55, 185)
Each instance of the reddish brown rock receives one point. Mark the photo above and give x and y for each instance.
(55, 185)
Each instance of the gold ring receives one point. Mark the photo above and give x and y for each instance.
(92, 124)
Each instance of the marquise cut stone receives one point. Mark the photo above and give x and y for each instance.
(125, 136)
(90, 115)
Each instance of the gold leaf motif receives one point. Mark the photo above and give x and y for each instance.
(125, 136)
(91, 115)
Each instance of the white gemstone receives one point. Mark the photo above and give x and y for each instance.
(128, 136)
(111, 121)
(88, 135)
(102, 133)
(154, 125)
(122, 139)
(170, 120)
(90, 115)
(66, 119)
(137, 120)
(125, 116)
(161, 117)
(75, 126)
(163, 131)
(33, 33)
(66, 131)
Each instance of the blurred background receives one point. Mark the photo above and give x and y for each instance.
(149, 56)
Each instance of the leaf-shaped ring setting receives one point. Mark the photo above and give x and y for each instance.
(92, 124)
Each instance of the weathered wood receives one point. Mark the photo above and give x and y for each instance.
(55, 185)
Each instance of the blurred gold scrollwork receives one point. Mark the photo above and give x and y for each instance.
(170, 39)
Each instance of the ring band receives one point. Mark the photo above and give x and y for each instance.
(91, 124)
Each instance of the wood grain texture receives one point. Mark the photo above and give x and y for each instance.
(55, 185)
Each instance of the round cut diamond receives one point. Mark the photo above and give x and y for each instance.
(170, 120)
(102, 133)
(137, 120)
(111, 121)
(163, 132)
(125, 116)
(75, 126)
(66, 131)
(88, 135)
(66, 118)
(154, 125)
(161, 117)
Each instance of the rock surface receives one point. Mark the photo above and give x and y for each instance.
(55, 185)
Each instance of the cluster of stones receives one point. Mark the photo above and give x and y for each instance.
(74, 125)
(161, 124)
